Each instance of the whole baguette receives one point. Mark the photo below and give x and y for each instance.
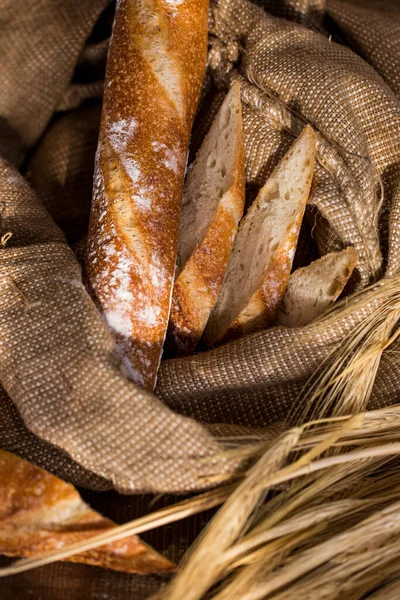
(259, 267)
(213, 204)
(155, 68)
(312, 289)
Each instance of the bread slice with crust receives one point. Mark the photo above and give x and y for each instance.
(40, 513)
(312, 289)
(259, 267)
(213, 204)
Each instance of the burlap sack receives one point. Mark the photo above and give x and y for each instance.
(66, 405)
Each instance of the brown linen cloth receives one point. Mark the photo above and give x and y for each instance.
(57, 365)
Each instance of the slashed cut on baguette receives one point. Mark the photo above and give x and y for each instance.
(213, 204)
(259, 267)
(312, 289)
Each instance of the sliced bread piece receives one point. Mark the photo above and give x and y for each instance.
(213, 204)
(40, 513)
(312, 289)
(259, 267)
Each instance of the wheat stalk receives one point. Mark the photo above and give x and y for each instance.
(252, 584)
(348, 375)
(309, 527)
(203, 565)
(208, 560)
(330, 513)
(390, 591)
(349, 579)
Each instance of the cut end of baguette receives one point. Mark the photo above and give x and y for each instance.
(213, 203)
(260, 264)
(313, 289)
(210, 176)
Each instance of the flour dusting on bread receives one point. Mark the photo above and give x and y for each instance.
(168, 156)
(140, 166)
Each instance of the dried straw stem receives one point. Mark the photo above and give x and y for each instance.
(358, 543)
(345, 383)
(203, 566)
(221, 549)
(390, 591)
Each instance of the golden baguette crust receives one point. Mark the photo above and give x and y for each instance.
(197, 285)
(276, 216)
(155, 67)
(39, 512)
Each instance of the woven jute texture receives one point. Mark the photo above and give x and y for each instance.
(65, 403)
(40, 44)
